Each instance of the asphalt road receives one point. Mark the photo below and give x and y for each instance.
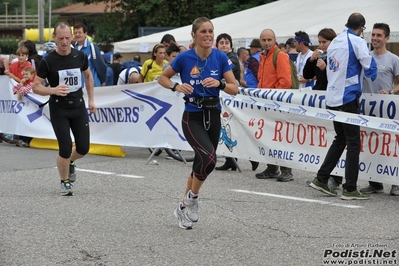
(122, 214)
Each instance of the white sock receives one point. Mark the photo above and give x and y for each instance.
(192, 195)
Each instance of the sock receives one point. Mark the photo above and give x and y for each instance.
(192, 195)
(72, 163)
(65, 181)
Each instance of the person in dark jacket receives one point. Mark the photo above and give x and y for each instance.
(225, 44)
(316, 64)
(316, 67)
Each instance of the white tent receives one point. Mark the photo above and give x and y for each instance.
(284, 17)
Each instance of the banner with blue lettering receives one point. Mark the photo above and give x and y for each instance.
(143, 115)
(284, 127)
(292, 128)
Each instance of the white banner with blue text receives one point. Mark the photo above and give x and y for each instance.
(285, 127)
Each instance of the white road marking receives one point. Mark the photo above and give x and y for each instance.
(298, 199)
(108, 173)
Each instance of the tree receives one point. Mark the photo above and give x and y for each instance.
(128, 15)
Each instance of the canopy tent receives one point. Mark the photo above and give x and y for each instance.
(284, 17)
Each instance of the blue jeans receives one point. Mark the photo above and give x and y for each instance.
(347, 136)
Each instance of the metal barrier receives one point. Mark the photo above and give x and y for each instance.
(19, 21)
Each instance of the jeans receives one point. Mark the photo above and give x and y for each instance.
(347, 136)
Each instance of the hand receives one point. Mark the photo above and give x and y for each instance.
(19, 97)
(22, 82)
(7, 72)
(92, 107)
(384, 92)
(62, 90)
(302, 80)
(321, 64)
(210, 82)
(316, 54)
(185, 88)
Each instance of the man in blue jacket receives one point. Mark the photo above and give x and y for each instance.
(96, 62)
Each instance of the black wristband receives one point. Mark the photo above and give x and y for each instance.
(222, 85)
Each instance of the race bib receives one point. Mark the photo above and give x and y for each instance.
(72, 78)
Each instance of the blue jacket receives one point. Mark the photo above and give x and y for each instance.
(249, 76)
(96, 62)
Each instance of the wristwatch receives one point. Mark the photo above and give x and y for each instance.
(222, 84)
(173, 86)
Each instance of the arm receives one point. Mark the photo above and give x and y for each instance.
(12, 76)
(242, 80)
(366, 60)
(309, 68)
(100, 65)
(90, 89)
(23, 89)
(395, 89)
(164, 81)
(231, 85)
(38, 88)
(254, 66)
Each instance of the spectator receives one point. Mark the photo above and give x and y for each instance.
(277, 78)
(225, 44)
(281, 46)
(291, 51)
(347, 57)
(34, 58)
(109, 80)
(302, 43)
(25, 85)
(15, 70)
(49, 47)
(137, 58)
(3, 64)
(96, 61)
(116, 66)
(132, 76)
(316, 67)
(153, 66)
(168, 39)
(171, 52)
(21, 89)
(251, 76)
(243, 56)
(388, 73)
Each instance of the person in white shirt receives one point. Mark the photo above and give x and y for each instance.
(132, 76)
(302, 42)
(388, 72)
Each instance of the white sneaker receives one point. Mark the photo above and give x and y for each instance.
(192, 207)
(181, 215)
(66, 189)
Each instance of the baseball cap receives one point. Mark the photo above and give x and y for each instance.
(117, 56)
(255, 43)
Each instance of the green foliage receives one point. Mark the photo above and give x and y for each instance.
(8, 44)
(128, 15)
